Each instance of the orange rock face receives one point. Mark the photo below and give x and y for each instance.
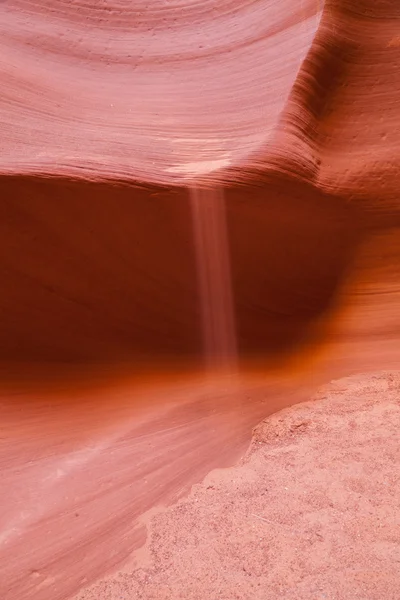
(108, 112)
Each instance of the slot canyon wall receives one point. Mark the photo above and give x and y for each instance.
(107, 112)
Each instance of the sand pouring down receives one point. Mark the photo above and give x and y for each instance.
(214, 277)
(125, 471)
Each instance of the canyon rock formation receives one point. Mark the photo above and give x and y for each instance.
(108, 111)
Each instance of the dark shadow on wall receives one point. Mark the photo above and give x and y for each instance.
(94, 271)
(101, 272)
(292, 247)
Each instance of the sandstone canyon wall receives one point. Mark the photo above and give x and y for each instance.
(107, 111)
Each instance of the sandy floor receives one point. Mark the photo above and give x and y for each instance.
(311, 512)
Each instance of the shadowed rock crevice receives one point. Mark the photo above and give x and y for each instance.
(102, 272)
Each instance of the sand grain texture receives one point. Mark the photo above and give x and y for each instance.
(311, 512)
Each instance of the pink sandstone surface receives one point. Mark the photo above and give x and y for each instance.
(310, 512)
(108, 110)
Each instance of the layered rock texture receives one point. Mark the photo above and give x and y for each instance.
(108, 113)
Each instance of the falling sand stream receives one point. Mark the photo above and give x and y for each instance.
(214, 279)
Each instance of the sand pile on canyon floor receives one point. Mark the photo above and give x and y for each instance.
(311, 512)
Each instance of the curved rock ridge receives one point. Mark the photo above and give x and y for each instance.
(145, 91)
